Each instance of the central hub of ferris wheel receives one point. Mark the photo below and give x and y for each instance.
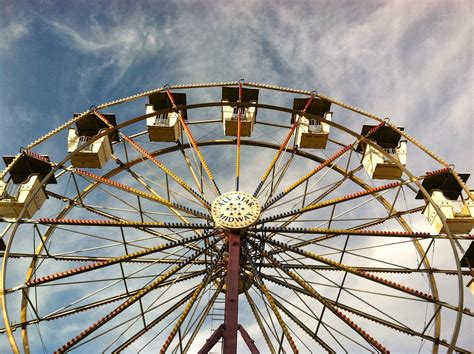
(235, 210)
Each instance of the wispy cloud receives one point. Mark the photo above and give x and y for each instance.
(364, 54)
(116, 43)
(11, 33)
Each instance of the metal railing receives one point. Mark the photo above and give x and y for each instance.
(83, 140)
(162, 120)
(235, 114)
(11, 191)
(314, 126)
(391, 151)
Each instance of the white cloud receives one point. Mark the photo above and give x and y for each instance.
(116, 46)
(408, 61)
(395, 59)
(11, 33)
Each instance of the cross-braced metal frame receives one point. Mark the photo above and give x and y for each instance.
(130, 257)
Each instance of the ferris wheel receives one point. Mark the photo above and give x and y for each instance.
(234, 217)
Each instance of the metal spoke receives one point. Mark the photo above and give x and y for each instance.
(331, 202)
(340, 287)
(137, 192)
(157, 320)
(95, 210)
(271, 301)
(239, 127)
(351, 270)
(193, 143)
(351, 232)
(113, 261)
(280, 176)
(300, 323)
(260, 323)
(328, 161)
(92, 305)
(365, 274)
(165, 169)
(111, 223)
(395, 326)
(282, 148)
(132, 300)
(321, 299)
(123, 323)
(203, 316)
(202, 285)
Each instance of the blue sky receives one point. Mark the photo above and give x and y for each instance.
(410, 61)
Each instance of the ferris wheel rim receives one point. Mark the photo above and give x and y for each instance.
(134, 120)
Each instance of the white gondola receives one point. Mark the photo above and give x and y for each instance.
(165, 127)
(230, 117)
(13, 197)
(312, 133)
(230, 113)
(446, 193)
(376, 163)
(96, 154)
(25, 176)
(467, 261)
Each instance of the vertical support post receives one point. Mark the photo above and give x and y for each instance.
(232, 295)
(228, 330)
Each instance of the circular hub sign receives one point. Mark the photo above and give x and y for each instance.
(235, 210)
